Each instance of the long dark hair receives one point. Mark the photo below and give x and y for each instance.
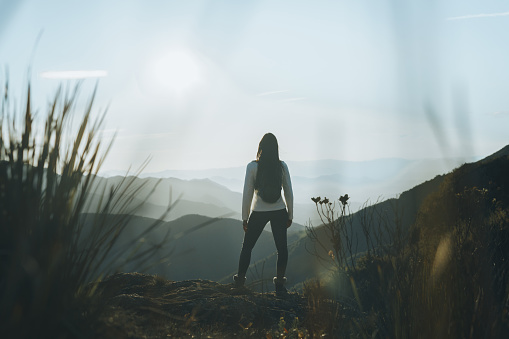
(270, 172)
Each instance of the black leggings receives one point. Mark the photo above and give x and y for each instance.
(257, 221)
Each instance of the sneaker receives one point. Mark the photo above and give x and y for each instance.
(279, 284)
(238, 282)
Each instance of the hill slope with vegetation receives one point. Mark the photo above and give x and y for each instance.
(449, 278)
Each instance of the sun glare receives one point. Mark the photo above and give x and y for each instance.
(176, 71)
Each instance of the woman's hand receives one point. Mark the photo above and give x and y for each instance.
(289, 223)
(244, 225)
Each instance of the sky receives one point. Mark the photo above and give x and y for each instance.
(196, 84)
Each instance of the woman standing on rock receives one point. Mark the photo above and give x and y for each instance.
(264, 179)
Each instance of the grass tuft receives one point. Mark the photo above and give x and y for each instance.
(47, 252)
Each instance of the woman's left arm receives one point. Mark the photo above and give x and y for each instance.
(288, 191)
(247, 193)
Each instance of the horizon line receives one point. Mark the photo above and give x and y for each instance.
(299, 161)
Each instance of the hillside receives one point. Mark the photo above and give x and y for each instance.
(179, 208)
(476, 191)
(198, 247)
(450, 277)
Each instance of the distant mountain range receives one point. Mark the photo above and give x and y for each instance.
(154, 196)
(217, 192)
(211, 252)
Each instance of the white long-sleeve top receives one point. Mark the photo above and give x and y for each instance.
(251, 201)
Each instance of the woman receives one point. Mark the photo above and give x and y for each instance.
(264, 179)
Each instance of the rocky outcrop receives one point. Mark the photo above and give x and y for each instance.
(135, 305)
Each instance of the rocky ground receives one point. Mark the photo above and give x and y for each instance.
(132, 305)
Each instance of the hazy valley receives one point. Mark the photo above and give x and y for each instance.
(218, 192)
(211, 252)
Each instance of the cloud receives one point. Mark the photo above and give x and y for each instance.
(293, 99)
(272, 92)
(73, 74)
(475, 16)
(500, 113)
(282, 100)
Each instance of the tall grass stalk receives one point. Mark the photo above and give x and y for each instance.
(47, 252)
